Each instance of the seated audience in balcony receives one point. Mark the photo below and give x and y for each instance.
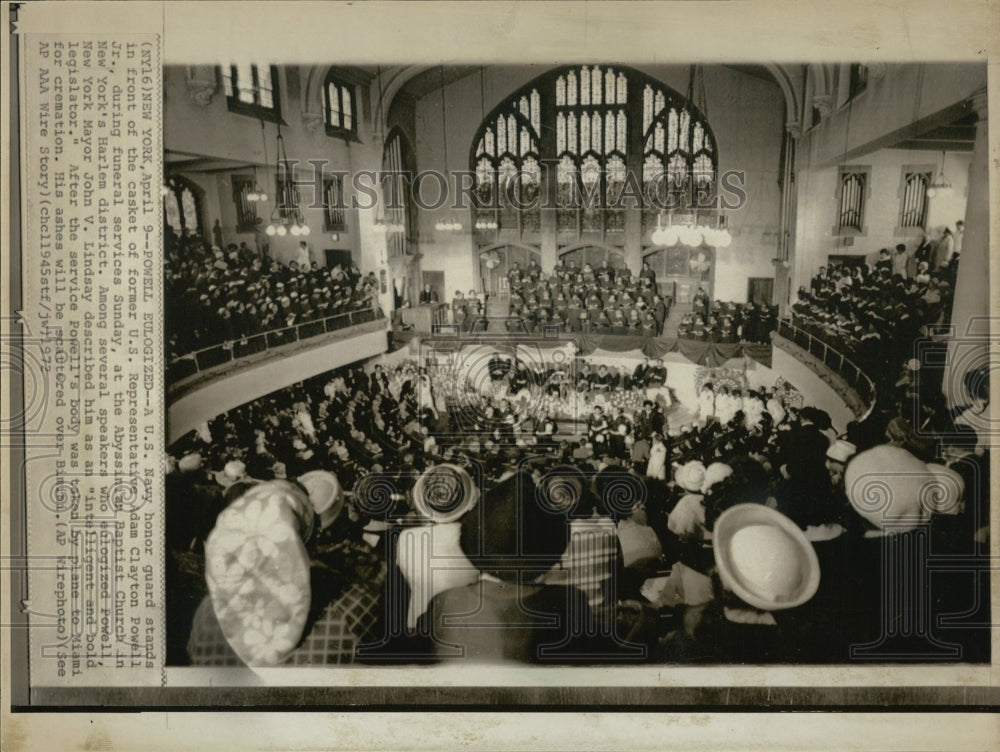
(215, 297)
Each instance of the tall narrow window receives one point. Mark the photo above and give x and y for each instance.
(246, 212)
(182, 206)
(679, 157)
(852, 197)
(341, 109)
(913, 204)
(592, 149)
(252, 90)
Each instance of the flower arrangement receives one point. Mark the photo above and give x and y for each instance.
(787, 394)
(731, 378)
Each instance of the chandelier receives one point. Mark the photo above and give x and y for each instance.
(691, 232)
(940, 184)
(257, 193)
(487, 222)
(286, 217)
(449, 224)
(382, 225)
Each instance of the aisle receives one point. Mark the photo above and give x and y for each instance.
(673, 320)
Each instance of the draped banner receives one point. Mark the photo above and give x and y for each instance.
(711, 354)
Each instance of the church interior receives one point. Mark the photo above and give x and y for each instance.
(577, 364)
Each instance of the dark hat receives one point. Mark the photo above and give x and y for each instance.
(511, 532)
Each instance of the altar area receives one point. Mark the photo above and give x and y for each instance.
(464, 376)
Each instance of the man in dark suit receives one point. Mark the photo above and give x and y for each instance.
(639, 374)
(656, 376)
(427, 295)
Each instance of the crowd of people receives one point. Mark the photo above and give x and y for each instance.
(728, 322)
(405, 458)
(224, 297)
(425, 512)
(599, 300)
(874, 314)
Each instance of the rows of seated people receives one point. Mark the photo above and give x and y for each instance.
(386, 436)
(601, 300)
(728, 322)
(874, 314)
(582, 377)
(225, 297)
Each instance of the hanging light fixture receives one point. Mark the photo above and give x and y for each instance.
(285, 219)
(448, 224)
(485, 222)
(940, 184)
(380, 226)
(692, 230)
(257, 193)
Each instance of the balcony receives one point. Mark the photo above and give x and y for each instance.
(825, 358)
(211, 381)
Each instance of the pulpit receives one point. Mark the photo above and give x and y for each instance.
(423, 318)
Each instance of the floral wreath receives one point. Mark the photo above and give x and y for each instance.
(787, 394)
(731, 378)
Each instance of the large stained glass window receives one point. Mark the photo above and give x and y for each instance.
(592, 149)
(679, 153)
(506, 162)
(604, 133)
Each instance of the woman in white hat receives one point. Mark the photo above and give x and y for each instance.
(765, 570)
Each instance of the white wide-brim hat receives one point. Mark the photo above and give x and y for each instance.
(764, 558)
(325, 494)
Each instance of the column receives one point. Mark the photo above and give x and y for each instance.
(968, 349)
(786, 237)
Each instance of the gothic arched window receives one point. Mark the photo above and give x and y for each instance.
(610, 133)
(506, 163)
(679, 153)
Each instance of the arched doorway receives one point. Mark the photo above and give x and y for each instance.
(681, 270)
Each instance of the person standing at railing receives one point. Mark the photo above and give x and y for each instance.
(944, 250)
(302, 258)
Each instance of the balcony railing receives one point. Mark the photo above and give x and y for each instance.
(829, 352)
(227, 352)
